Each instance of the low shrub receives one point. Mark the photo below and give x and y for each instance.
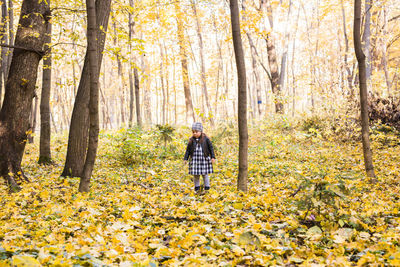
(141, 147)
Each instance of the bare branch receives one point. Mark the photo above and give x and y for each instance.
(394, 18)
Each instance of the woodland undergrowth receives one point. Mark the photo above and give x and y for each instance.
(309, 202)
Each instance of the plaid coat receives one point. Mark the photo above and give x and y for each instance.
(200, 155)
(206, 145)
(199, 164)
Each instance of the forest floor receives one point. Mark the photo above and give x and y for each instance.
(309, 202)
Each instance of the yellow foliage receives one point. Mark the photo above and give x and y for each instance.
(157, 219)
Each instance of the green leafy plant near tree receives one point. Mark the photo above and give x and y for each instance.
(138, 146)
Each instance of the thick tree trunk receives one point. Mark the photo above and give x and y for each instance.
(273, 66)
(184, 64)
(78, 133)
(363, 90)
(242, 97)
(94, 97)
(20, 89)
(272, 60)
(45, 128)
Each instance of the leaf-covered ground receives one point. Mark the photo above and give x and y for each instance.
(308, 203)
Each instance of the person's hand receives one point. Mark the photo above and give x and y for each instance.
(213, 161)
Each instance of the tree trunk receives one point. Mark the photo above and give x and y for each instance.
(184, 64)
(146, 95)
(167, 83)
(164, 95)
(94, 97)
(54, 123)
(384, 52)
(367, 40)
(363, 90)
(131, 97)
(220, 71)
(20, 89)
(33, 121)
(45, 128)
(273, 66)
(131, 23)
(137, 97)
(242, 97)
(4, 40)
(285, 52)
(272, 60)
(346, 40)
(120, 73)
(256, 76)
(10, 33)
(208, 114)
(174, 86)
(292, 65)
(78, 133)
(255, 102)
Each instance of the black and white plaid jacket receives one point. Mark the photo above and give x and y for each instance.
(206, 146)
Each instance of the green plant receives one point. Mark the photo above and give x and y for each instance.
(165, 133)
(134, 148)
(318, 195)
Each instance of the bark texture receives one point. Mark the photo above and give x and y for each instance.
(242, 101)
(20, 89)
(272, 59)
(45, 128)
(79, 127)
(363, 90)
(84, 184)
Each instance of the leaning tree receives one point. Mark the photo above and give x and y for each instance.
(20, 89)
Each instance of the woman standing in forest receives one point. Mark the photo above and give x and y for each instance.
(200, 153)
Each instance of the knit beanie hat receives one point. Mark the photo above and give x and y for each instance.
(197, 126)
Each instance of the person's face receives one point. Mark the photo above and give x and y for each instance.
(196, 134)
